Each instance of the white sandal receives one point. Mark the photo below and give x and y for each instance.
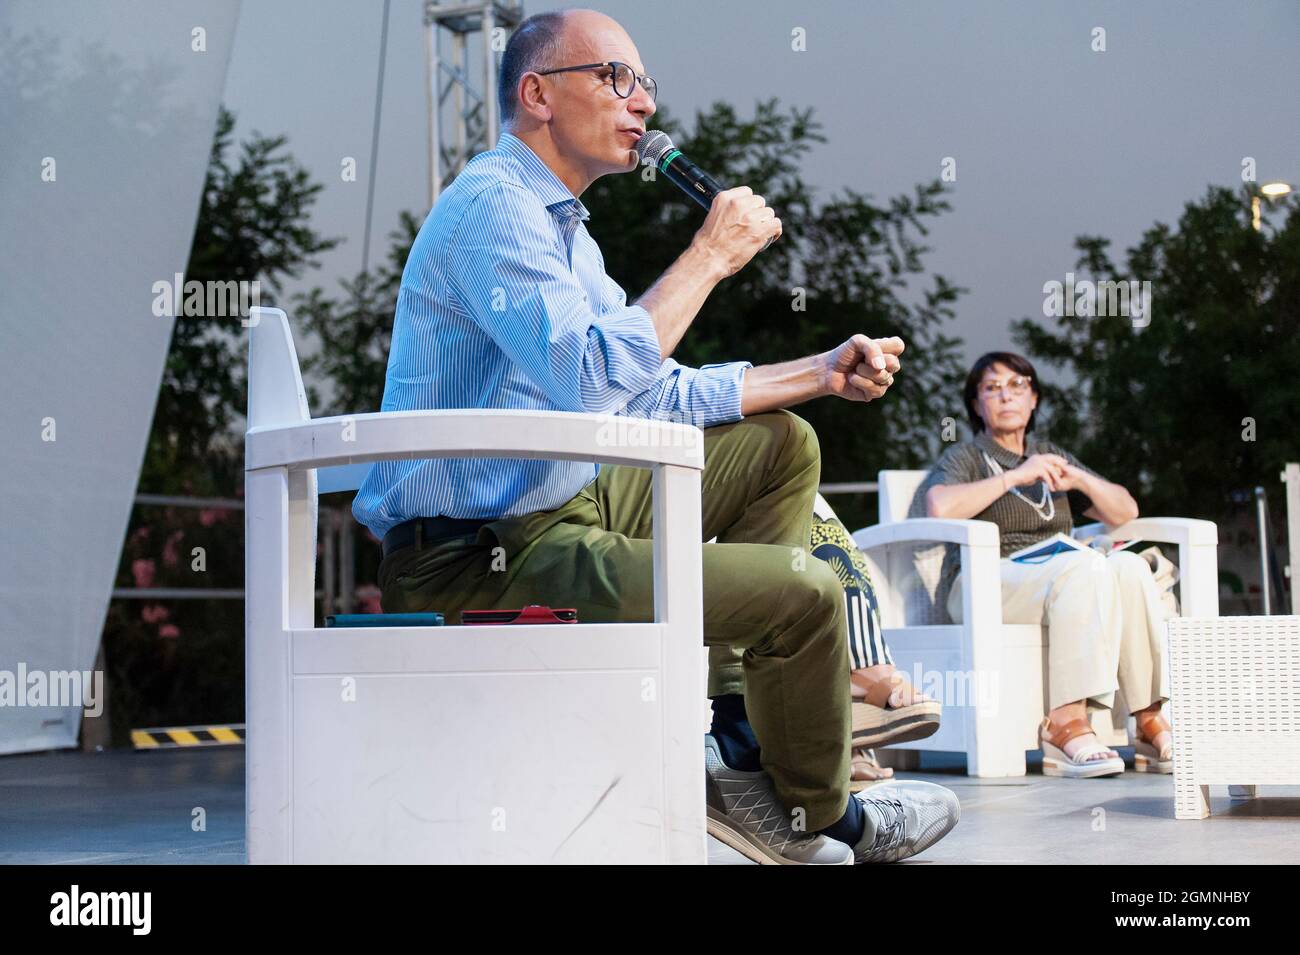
(1056, 762)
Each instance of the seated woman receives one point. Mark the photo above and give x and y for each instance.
(1103, 614)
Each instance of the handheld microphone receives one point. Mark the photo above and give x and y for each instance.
(656, 148)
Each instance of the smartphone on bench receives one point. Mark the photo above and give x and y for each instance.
(532, 614)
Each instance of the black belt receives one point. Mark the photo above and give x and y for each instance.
(426, 530)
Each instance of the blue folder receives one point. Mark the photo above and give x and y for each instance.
(1045, 552)
(383, 620)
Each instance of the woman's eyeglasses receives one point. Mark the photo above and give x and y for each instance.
(1016, 385)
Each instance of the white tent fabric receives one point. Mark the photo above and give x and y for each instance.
(107, 113)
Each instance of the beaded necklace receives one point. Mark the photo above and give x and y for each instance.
(1045, 509)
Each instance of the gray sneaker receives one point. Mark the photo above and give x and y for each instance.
(904, 818)
(744, 813)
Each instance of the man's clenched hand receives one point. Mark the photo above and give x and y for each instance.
(862, 369)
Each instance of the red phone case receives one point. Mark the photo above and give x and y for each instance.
(532, 614)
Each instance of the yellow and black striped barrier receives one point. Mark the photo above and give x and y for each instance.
(174, 737)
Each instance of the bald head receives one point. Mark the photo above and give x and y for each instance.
(563, 99)
(549, 40)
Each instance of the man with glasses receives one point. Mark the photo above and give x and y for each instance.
(505, 303)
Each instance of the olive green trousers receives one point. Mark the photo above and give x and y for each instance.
(774, 615)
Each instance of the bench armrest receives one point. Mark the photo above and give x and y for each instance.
(1164, 530)
(922, 530)
(474, 433)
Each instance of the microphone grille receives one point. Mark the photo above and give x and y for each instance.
(653, 146)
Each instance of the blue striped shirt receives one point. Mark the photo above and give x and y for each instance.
(504, 303)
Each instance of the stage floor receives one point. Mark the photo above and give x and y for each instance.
(129, 807)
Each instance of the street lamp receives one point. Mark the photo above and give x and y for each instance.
(1273, 190)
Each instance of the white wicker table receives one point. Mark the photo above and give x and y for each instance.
(1234, 684)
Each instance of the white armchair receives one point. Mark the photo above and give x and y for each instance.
(564, 743)
(992, 675)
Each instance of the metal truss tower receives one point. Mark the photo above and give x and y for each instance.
(462, 99)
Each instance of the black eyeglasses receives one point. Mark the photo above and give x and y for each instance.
(625, 78)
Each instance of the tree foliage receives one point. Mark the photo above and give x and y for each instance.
(851, 264)
(1200, 403)
(253, 225)
(354, 330)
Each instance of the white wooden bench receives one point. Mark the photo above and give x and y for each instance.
(997, 669)
(562, 743)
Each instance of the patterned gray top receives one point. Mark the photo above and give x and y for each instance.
(1020, 523)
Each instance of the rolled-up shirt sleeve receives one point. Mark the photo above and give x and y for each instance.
(508, 271)
(704, 396)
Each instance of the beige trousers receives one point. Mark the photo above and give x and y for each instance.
(1105, 625)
